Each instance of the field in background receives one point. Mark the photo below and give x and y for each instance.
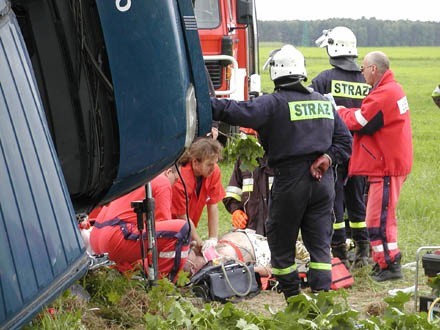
(417, 69)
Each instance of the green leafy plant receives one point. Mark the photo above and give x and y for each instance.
(246, 148)
(434, 283)
(167, 306)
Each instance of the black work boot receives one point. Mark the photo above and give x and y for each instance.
(290, 293)
(393, 272)
(375, 269)
(362, 254)
(289, 285)
(340, 251)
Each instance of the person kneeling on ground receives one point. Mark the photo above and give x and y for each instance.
(115, 230)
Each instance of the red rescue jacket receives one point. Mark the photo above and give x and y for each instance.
(382, 144)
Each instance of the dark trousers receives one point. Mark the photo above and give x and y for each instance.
(298, 202)
(350, 196)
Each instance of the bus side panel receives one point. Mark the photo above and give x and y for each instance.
(41, 250)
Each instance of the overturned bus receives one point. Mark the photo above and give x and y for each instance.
(96, 98)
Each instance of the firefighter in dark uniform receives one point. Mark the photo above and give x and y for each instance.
(247, 196)
(302, 136)
(347, 85)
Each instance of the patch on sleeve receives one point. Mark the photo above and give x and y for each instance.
(403, 105)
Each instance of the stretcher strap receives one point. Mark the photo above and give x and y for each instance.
(235, 247)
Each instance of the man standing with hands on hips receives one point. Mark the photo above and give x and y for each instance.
(382, 151)
(302, 136)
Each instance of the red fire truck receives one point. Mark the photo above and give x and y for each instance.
(228, 35)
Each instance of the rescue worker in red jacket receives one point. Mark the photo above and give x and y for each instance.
(346, 84)
(202, 184)
(247, 196)
(383, 151)
(115, 229)
(302, 136)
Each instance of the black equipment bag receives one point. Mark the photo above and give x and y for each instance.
(225, 281)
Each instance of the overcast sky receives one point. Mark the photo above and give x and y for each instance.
(422, 10)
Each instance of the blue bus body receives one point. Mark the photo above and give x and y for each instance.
(96, 98)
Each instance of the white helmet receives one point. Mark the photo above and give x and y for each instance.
(339, 41)
(285, 62)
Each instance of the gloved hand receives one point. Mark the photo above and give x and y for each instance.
(212, 241)
(239, 219)
(320, 166)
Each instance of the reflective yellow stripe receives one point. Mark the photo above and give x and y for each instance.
(349, 89)
(234, 196)
(248, 181)
(320, 266)
(233, 192)
(339, 225)
(357, 225)
(233, 189)
(248, 185)
(270, 182)
(248, 188)
(284, 271)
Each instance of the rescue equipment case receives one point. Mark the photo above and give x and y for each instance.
(341, 277)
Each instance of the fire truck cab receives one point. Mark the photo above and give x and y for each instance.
(229, 40)
(228, 35)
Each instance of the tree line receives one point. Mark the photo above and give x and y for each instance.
(369, 32)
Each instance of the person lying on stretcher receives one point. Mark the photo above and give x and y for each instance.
(242, 245)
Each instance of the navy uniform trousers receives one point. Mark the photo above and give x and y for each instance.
(299, 202)
(350, 195)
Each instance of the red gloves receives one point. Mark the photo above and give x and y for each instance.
(239, 219)
(320, 166)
